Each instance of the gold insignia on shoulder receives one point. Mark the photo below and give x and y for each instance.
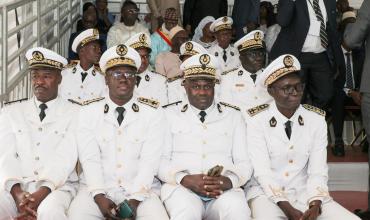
(87, 102)
(314, 109)
(224, 19)
(184, 108)
(174, 78)
(135, 107)
(97, 68)
(257, 36)
(230, 106)
(219, 108)
(273, 122)
(106, 108)
(255, 110)
(15, 101)
(147, 78)
(288, 61)
(121, 50)
(188, 46)
(37, 55)
(172, 104)
(300, 121)
(150, 102)
(204, 59)
(72, 64)
(228, 71)
(142, 38)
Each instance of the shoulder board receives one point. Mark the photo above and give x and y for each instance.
(72, 64)
(171, 104)
(15, 101)
(97, 68)
(255, 110)
(174, 78)
(230, 106)
(150, 102)
(228, 71)
(314, 109)
(86, 102)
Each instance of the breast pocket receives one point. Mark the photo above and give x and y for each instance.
(181, 138)
(133, 146)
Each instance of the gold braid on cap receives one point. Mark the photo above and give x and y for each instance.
(289, 68)
(38, 59)
(202, 70)
(189, 49)
(141, 43)
(88, 39)
(256, 42)
(120, 61)
(223, 27)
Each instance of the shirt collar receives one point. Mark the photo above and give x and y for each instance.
(280, 117)
(50, 104)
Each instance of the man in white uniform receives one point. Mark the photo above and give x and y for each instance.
(201, 134)
(82, 79)
(287, 146)
(226, 54)
(148, 83)
(241, 86)
(120, 141)
(38, 148)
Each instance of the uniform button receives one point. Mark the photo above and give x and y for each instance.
(204, 142)
(119, 165)
(36, 173)
(37, 158)
(204, 127)
(79, 97)
(81, 87)
(119, 149)
(19, 130)
(119, 182)
(283, 188)
(204, 156)
(286, 174)
(256, 97)
(40, 129)
(290, 161)
(56, 132)
(291, 147)
(119, 132)
(38, 144)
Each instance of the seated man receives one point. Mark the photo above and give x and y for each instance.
(38, 148)
(82, 80)
(241, 86)
(201, 134)
(148, 83)
(287, 146)
(120, 141)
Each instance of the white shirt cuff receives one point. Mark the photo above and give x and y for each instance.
(9, 184)
(179, 176)
(233, 178)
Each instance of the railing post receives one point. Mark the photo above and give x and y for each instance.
(4, 74)
(38, 9)
(59, 47)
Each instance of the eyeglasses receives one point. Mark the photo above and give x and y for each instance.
(121, 75)
(254, 53)
(288, 90)
(145, 56)
(133, 11)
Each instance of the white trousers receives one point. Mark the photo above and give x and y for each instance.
(184, 204)
(262, 208)
(84, 207)
(53, 207)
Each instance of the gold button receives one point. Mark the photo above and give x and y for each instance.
(40, 129)
(119, 149)
(119, 181)
(286, 174)
(283, 188)
(56, 132)
(255, 97)
(119, 132)
(204, 156)
(204, 127)
(119, 165)
(291, 147)
(204, 142)
(36, 173)
(290, 161)
(37, 158)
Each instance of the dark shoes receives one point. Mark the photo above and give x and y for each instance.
(338, 150)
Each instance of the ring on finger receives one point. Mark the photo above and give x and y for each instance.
(221, 182)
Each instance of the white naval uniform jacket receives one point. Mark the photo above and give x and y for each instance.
(38, 153)
(193, 147)
(120, 158)
(238, 88)
(232, 55)
(292, 169)
(72, 86)
(153, 86)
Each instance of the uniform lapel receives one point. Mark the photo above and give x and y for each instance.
(55, 112)
(130, 115)
(32, 113)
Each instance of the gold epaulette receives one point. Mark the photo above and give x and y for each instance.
(97, 68)
(15, 101)
(228, 71)
(71, 64)
(171, 104)
(86, 102)
(174, 78)
(255, 110)
(314, 109)
(230, 106)
(150, 102)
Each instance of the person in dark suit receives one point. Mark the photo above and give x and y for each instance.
(245, 14)
(309, 32)
(355, 36)
(346, 86)
(196, 10)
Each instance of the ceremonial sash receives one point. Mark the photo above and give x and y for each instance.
(164, 37)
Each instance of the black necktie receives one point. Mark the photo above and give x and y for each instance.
(42, 114)
(323, 34)
(202, 116)
(83, 74)
(254, 77)
(224, 57)
(121, 111)
(288, 128)
(349, 77)
(138, 79)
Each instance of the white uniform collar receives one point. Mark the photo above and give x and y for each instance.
(50, 103)
(280, 117)
(80, 69)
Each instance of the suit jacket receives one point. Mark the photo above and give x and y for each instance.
(358, 33)
(293, 17)
(245, 11)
